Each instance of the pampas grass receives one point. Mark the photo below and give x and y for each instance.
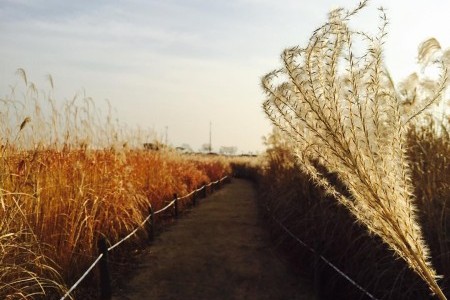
(343, 118)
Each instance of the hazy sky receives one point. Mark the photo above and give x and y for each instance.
(184, 63)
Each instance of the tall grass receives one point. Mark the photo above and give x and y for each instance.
(317, 219)
(346, 127)
(69, 174)
(26, 272)
(78, 122)
(429, 153)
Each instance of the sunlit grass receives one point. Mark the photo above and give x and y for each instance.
(345, 126)
(68, 174)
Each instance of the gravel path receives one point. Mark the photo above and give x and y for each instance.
(220, 250)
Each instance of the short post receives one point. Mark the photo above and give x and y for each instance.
(194, 199)
(204, 190)
(175, 196)
(105, 280)
(151, 224)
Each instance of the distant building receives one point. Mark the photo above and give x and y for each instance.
(152, 146)
(183, 150)
(228, 150)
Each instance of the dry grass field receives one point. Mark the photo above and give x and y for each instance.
(357, 167)
(66, 178)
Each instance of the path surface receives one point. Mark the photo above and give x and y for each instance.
(220, 250)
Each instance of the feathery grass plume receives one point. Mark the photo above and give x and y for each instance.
(420, 87)
(24, 123)
(21, 72)
(343, 115)
(427, 50)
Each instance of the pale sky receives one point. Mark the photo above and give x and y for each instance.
(184, 63)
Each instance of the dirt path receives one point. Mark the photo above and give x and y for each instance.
(218, 251)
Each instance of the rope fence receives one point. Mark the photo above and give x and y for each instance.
(105, 289)
(102, 258)
(324, 259)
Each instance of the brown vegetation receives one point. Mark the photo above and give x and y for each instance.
(322, 223)
(66, 178)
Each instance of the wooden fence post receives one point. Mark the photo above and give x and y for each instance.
(105, 281)
(204, 189)
(176, 205)
(151, 224)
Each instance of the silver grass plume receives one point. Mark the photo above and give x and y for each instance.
(342, 113)
(420, 87)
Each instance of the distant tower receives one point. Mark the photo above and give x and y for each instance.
(210, 134)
